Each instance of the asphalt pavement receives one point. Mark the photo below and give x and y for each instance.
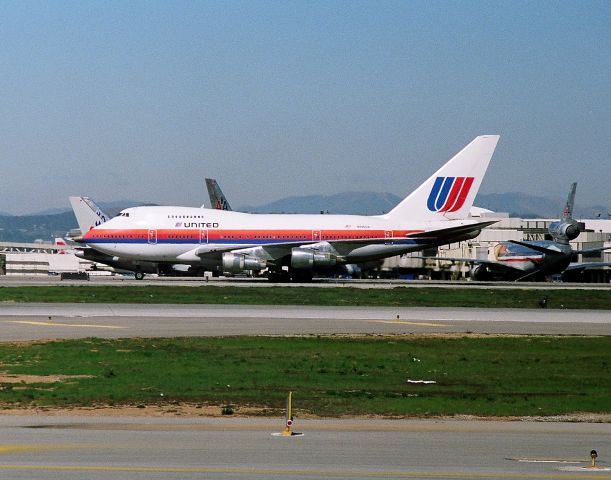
(48, 447)
(22, 322)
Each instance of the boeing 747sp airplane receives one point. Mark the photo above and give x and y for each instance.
(436, 213)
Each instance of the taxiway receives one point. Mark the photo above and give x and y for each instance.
(22, 322)
(37, 447)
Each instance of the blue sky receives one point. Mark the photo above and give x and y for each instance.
(142, 100)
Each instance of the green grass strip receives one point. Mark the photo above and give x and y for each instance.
(329, 376)
(392, 297)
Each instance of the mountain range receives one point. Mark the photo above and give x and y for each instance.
(372, 203)
(56, 222)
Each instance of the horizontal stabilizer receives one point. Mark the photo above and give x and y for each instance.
(537, 248)
(452, 231)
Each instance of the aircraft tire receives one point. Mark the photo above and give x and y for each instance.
(301, 276)
(278, 277)
(138, 275)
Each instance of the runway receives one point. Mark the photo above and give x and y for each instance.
(22, 322)
(37, 447)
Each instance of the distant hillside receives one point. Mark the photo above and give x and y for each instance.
(372, 203)
(521, 204)
(352, 203)
(112, 208)
(532, 206)
(47, 226)
(593, 211)
(33, 227)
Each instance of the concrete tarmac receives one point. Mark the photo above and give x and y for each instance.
(48, 447)
(22, 322)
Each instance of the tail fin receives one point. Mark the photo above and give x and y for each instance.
(449, 193)
(87, 213)
(567, 213)
(61, 244)
(217, 199)
(566, 229)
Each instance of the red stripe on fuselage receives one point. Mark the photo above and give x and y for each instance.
(522, 259)
(223, 235)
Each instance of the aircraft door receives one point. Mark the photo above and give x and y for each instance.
(152, 238)
(203, 236)
(316, 235)
(388, 235)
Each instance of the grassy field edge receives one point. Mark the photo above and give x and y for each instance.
(481, 376)
(340, 296)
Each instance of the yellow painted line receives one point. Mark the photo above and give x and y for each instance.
(419, 324)
(18, 448)
(55, 324)
(270, 471)
(6, 449)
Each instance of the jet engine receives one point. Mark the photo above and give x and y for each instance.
(238, 263)
(564, 231)
(480, 272)
(304, 258)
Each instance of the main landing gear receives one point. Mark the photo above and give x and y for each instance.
(138, 275)
(294, 275)
(281, 276)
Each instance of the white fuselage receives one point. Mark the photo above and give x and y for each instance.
(183, 234)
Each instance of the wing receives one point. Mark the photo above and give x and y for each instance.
(588, 251)
(274, 252)
(270, 251)
(444, 233)
(536, 248)
(492, 264)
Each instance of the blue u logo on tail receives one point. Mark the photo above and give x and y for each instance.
(449, 193)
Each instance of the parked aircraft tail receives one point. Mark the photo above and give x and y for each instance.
(449, 193)
(567, 213)
(566, 228)
(61, 245)
(218, 201)
(87, 213)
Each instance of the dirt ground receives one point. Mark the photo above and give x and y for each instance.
(196, 410)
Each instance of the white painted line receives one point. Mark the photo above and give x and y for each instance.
(418, 324)
(53, 324)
